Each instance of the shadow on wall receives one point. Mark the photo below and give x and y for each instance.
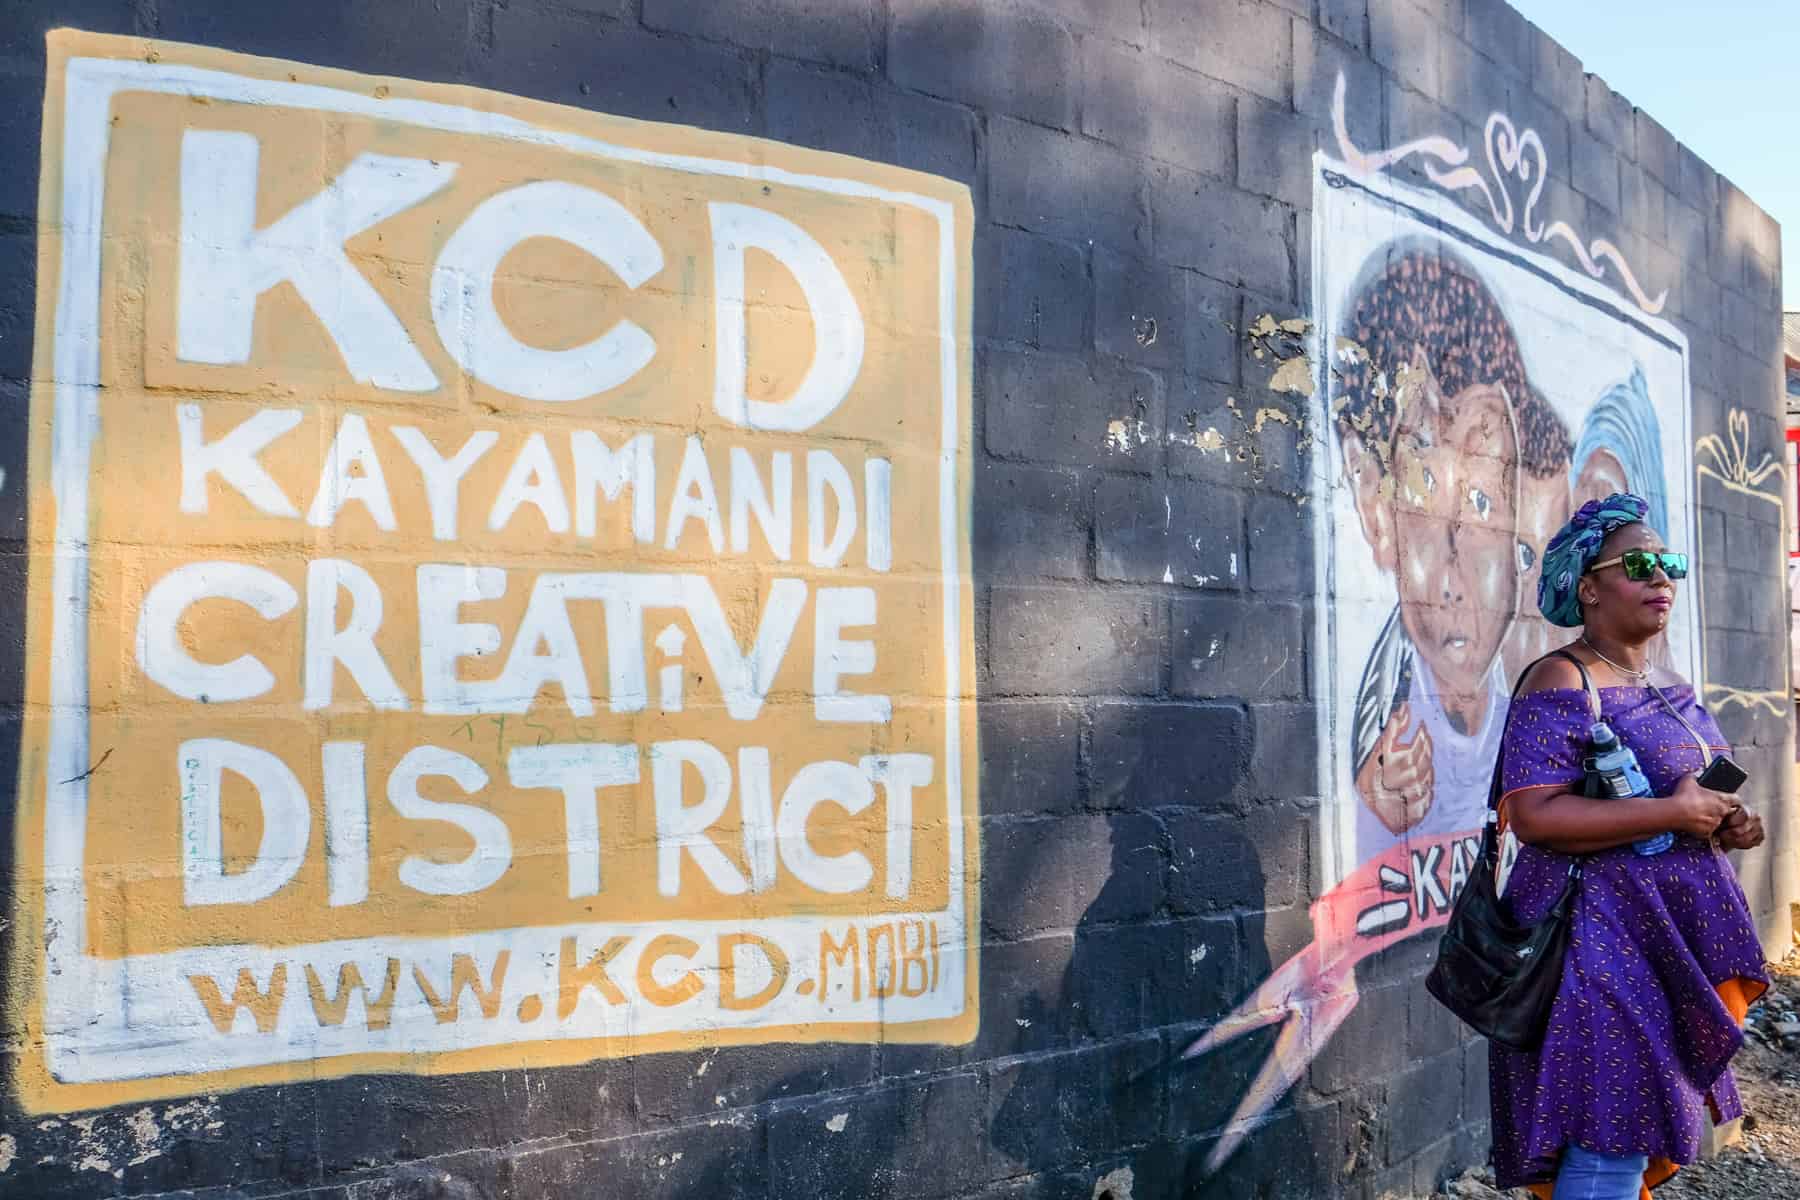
(1106, 1110)
(1050, 1111)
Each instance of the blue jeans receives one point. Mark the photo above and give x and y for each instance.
(1586, 1175)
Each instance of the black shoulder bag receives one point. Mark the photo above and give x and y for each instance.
(1499, 977)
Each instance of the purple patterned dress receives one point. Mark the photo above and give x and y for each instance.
(1639, 1038)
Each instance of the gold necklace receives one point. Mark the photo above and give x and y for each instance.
(1642, 676)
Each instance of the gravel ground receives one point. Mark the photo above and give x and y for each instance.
(1765, 1163)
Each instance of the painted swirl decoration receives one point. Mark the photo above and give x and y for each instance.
(1513, 158)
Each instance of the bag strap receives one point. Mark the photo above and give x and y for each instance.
(1490, 842)
(1587, 682)
(1700, 742)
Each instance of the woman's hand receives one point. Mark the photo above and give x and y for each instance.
(1742, 830)
(1698, 811)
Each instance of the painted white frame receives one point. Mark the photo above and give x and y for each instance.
(1337, 825)
(137, 1017)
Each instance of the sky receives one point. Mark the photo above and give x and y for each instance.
(1723, 76)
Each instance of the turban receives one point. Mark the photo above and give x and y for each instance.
(1575, 546)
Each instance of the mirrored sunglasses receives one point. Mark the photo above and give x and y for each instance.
(1641, 565)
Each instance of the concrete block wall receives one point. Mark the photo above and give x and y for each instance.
(1147, 609)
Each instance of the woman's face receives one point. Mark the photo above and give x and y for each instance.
(1632, 611)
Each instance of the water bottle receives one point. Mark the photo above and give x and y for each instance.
(1613, 773)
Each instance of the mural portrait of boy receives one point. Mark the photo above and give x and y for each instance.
(1431, 445)
(1460, 471)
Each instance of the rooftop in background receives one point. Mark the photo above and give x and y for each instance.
(1790, 345)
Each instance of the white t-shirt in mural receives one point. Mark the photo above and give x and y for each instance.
(1462, 764)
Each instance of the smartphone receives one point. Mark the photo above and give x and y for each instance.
(1722, 775)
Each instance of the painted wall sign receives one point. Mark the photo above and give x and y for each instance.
(500, 587)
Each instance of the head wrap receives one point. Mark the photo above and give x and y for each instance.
(1575, 546)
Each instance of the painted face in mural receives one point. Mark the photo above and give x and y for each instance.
(1455, 504)
(1432, 444)
(1601, 475)
(1544, 508)
(1544, 505)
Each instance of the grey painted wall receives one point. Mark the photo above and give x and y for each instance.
(1155, 825)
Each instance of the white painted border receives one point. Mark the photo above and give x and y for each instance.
(89, 1003)
(1337, 825)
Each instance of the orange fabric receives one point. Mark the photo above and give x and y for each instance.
(1739, 994)
(1501, 805)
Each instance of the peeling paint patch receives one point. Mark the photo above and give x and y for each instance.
(1168, 574)
(1418, 484)
(196, 1116)
(1207, 441)
(1114, 1185)
(837, 1123)
(1124, 434)
(9, 1150)
(145, 1136)
(90, 1151)
(1284, 343)
(1349, 352)
(1250, 449)
(1408, 384)
(1295, 375)
(1197, 955)
(1265, 415)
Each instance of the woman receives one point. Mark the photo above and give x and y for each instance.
(1663, 958)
